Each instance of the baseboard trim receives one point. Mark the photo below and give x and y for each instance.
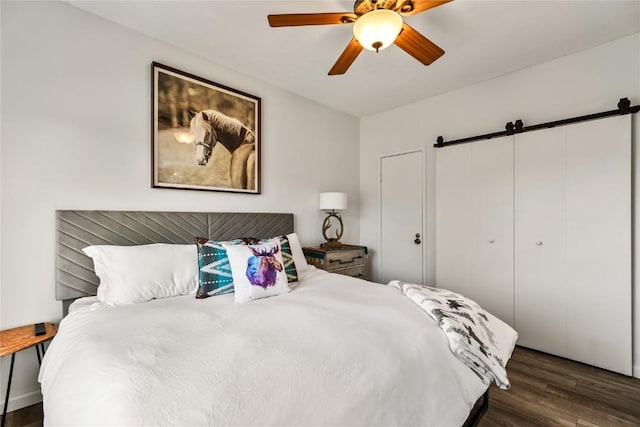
(22, 401)
(636, 371)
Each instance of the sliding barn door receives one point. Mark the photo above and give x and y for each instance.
(474, 223)
(573, 242)
(540, 240)
(492, 208)
(454, 219)
(537, 229)
(598, 309)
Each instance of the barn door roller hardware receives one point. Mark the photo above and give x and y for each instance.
(511, 128)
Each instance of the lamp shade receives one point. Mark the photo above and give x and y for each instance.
(377, 29)
(332, 201)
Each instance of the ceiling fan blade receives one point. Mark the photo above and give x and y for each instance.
(346, 59)
(297, 19)
(413, 7)
(417, 45)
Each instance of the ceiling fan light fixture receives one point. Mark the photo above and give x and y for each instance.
(377, 29)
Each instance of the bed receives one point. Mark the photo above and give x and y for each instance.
(335, 351)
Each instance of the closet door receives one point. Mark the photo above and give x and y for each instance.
(540, 240)
(492, 226)
(454, 219)
(599, 243)
(474, 223)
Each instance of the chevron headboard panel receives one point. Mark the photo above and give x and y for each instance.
(77, 229)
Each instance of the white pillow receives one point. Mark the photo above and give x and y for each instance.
(257, 270)
(134, 274)
(298, 256)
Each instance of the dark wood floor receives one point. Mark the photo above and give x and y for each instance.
(551, 391)
(545, 390)
(31, 416)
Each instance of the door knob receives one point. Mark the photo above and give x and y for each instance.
(492, 240)
(417, 241)
(417, 235)
(539, 243)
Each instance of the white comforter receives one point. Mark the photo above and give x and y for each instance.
(335, 351)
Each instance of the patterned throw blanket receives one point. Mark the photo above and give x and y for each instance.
(466, 326)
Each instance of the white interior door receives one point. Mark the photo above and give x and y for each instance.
(599, 243)
(540, 240)
(401, 217)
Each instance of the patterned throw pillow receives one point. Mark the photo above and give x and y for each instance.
(298, 255)
(258, 270)
(214, 270)
(287, 258)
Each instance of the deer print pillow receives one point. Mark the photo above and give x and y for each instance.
(287, 257)
(258, 270)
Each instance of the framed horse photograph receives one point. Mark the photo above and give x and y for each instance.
(205, 136)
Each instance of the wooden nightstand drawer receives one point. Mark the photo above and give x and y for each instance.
(342, 259)
(357, 271)
(347, 259)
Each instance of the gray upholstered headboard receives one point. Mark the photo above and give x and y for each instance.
(77, 229)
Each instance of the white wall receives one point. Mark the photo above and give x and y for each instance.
(586, 82)
(76, 135)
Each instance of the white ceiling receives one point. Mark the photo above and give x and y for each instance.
(482, 40)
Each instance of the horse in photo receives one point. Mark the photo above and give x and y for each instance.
(210, 127)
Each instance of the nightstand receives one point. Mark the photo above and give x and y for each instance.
(348, 259)
(16, 339)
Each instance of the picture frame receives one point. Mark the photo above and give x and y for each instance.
(205, 135)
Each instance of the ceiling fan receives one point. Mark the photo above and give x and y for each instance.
(377, 24)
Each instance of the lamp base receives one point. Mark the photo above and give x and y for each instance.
(331, 244)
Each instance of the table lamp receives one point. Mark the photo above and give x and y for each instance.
(331, 202)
